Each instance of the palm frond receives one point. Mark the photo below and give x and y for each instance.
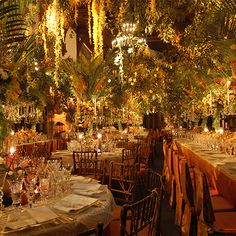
(78, 79)
(12, 24)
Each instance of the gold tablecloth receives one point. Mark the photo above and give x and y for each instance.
(219, 168)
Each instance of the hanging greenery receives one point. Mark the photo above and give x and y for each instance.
(53, 27)
(99, 18)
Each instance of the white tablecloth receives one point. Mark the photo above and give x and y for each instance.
(67, 223)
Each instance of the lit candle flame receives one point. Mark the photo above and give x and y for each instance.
(12, 150)
(206, 129)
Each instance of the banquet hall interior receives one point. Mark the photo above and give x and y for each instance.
(118, 117)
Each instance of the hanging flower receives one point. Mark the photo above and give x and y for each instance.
(152, 7)
(99, 19)
(53, 26)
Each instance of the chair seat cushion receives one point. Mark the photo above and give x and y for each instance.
(221, 204)
(225, 222)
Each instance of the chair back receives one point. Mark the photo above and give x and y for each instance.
(85, 162)
(155, 181)
(129, 156)
(123, 181)
(144, 152)
(189, 215)
(141, 215)
(208, 212)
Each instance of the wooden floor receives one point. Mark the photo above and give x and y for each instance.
(168, 227)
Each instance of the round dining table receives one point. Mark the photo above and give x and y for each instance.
(85, 204)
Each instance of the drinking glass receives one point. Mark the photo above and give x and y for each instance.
(44, 188)
(30, 181)
(16, 188)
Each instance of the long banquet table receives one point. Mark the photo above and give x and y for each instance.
(220, 168)
(86, 205)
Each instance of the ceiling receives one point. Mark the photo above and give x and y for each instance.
(153, 41)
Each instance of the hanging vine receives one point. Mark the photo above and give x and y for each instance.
(53, 27)
(99, 19)
(89, 21)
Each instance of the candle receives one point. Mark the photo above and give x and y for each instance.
(12, 150)
(80, 136)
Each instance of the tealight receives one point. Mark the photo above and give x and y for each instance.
(206, 129)
(99, 135)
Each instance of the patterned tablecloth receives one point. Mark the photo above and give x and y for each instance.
(87, 204)
(220, 168)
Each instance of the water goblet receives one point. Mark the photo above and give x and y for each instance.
(30, 181)
(16, 188)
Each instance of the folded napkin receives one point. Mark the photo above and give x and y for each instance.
(74, 202)
(18, 220)
(86, 186)
(42, 214)
(90, 191)
(81, 178)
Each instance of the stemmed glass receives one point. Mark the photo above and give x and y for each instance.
(30, 180)
(16, 188)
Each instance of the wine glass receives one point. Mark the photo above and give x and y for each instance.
(30, 180)
(16, 188)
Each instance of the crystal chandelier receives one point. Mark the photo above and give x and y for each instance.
(127, 38)
(16, 113)
(126, 41)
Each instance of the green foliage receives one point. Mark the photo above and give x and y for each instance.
(12, 25)
(4, 129)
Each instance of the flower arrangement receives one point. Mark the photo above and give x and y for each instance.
(26, 136)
